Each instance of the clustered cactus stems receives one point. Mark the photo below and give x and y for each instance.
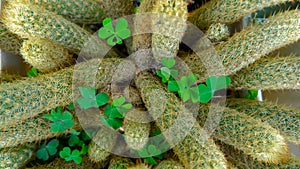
(28, 20)
(284, 119)
(15, 157)
(9, 41)
(269, 74)
(251, 129)
(227, 12)
(253, 43)
(45, 55)
(250, 135)
(195, 150)
(30, 97)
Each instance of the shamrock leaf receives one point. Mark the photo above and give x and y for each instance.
(205, 93)
(68, 155)
(62, 121)
(111, 122)
(71, 107)
(114, 36)
(46, 150)
(119, 104)
(73, 140)
(84, 149)
(88, 99)
(169, 63)
(173, 86)
(216, 83)
(112, 112)
(186, 91)
(151, 160)
(153, 150)
(101, 99)
(33, 72)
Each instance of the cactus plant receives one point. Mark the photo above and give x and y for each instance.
(15, 157)
(45, 55)
(227, 12)
(136, 129)
(51, 90)
(253, 137)
(269, 74)
(284, 119)
(195, 150)
(169, 164)
(120, 163)
(217, 32)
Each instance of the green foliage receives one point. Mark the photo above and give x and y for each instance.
(69, 155)
(61, 120)
(33, 72)
(114, 35)
(151, 151)
(166, 73)
(89, 98)
(252, 94)
(47, 150)
(115, 112)
(186, 87)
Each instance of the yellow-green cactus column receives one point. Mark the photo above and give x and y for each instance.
(45, 55)
(253, 43)
(32, 96)
(33, 129)
(195, 150)
(241, 160)
(245, 133)
(269, 74)
(228, 11)
(15, 157)
(136, 128)
(87, 11)
(120, 163)
(9, 41)
(284, 119)
(27, 20)
(169, 26)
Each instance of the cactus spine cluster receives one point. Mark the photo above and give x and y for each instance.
(284, 119)
(169, 164)
(253, 137)
(120, 163)
(227, 12)
(195, 150)
(218, 32)
(269, 74)
(45, 55)
(15, 157)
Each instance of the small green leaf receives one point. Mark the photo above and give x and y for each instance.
(121, 28)
(143, 153)
(73, 140)
(84, 149)
(104, 121)
(65, 122)
(84, 136)
(75, 156)
(252, 94)
(194, 92)
(106, 21)
(118, 101)
(217, 83)
(42, 153)
(191, 79)
(87, 92)
(52, 146)
(205, 93)
(165, 72)
(114, 123)
(153, 150)
(74, 132)
(173, 86)
(33, 72)
(151, 160)
(65, 153)
(185, 95)
(112, 111)
(71, 106)
(169, 63)
(102, 98)
(173, 73)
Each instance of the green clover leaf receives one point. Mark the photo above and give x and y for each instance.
(89, 98)
(186, 91)
(205, 93)
(114, 36)
(169, 63)
(111, 122)
(47, 150)
(84, 149)
(217, 83)
(73, 140)
(62, 121)
(68, 155)
(101, 99)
